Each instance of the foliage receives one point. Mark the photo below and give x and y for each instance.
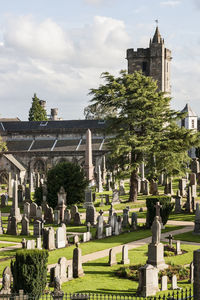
(37, 112)
(38, 195)
(30, 272)
(70, 176)
(3, 146)
(132, 272)
(165, 210)
(142, 128)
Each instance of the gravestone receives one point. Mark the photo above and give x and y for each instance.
(112, 257)
(20, 193)
(77, 262)
(63, 269)
(155, 248)
(118, 226)
(15, 211)
(195, 166)
(178, 204)
(60, 237)
(75, 239)
(39, 213)
(67, 216)
(196, 284)
(115, 197)
(174, 282)
(125, 221)
(99, 180)
(33, 210)
(125, 259)
(39, 243)
(121, 190)
(194, 190)
(74, 210)
(108, 231)
(188, 206)
(56, 217)
(182, 186)
(25, 226)
(145, 184)
(191, 272)
(134, 221)
(178, 248)
(6, 282)
(192, 178)
(69, 272)
(49, 216)
(90, 214)
(88, 198)
(49, 238)
(164, 283)
(30, 244)
(1, 225)
(148, 281)
(77, 219)
(112, 221)
(54, 272)
(27, 209)
(12, 226)
(99, 226)
(37, 229)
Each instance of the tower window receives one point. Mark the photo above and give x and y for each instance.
(183, 122)
(144, 66)
(192, 123)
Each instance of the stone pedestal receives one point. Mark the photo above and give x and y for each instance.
(156, 256)
(148, 281)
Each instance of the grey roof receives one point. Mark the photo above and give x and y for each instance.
(157, 37)
(15, 162)
(188, 109)
(64, 125)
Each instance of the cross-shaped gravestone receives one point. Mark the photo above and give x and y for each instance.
(170, 238)
(158, 207)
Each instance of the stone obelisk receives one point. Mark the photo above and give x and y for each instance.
(15, 211)
(89, 168)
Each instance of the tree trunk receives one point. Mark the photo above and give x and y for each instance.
(133, 186)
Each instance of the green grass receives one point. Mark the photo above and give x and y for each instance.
(100, 278)
(182, 217)
(4, 245)
(188, 237)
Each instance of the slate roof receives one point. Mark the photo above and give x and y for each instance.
(66, 125)
(190, 112)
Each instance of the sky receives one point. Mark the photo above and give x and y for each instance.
(59, 48)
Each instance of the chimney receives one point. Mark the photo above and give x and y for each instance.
(54, 114)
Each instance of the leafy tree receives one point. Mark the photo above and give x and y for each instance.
(3, 146)
(71, 177)
(144, 127)
(37, 112)
(29, 272)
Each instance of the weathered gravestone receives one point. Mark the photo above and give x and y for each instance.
(90, 214)
(56, 217)
(178, 204)
(25, 226)
(27, 209)
(182, 186)
(125, 221)
(15, 211)
(37, 229)
(33, 210)
(1, 225)
(191, 272)
(12, 226)
(174, 282)
(108, 231)
(67, 216)
(74, 210)
(99, 226)
(39, 243)
(115, 198)
(77, 262)
(62, 196)
(134, 221)
(77, 219)
(63, 269)
(164, 283)
(39, 213)
(178, 248)
(196, 284)
(6, 282)
(112, 257)
(61, 237)
(125, 259)
(49, 238)
(155, 248)
(148, 281)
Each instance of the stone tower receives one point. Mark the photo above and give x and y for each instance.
(153, 61)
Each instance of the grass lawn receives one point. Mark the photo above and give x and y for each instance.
(100, 278)
(188, 237)
(3, 245)
(182, 217)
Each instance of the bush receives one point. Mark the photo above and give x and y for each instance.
(165, 211)
(29, 272)
(71, 177)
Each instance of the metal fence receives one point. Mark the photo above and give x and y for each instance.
(174, 295)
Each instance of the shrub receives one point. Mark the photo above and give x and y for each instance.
(29, 272)
(71, 177)
(165, 211)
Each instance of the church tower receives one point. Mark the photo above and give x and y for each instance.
(153, 61)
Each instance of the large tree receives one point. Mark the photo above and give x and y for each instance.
(143, 128)
(37, 112)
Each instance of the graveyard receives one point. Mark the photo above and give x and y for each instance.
(103, 240)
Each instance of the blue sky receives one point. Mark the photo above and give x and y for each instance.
(58, 49)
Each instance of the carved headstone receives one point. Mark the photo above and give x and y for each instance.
(77, 262)
(112, 257)
(125, 259)
(25, 226)
(148, 281)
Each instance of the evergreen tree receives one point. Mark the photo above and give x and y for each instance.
(144, 128)
(37, 112)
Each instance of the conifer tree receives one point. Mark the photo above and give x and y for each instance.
(144, 127)
(37, 112)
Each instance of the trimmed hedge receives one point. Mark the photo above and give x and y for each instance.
(165, 211)
(29, 272)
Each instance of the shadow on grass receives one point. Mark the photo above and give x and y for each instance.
(129, 292)
(96, 264)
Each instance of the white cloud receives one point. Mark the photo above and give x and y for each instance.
(170, 3)
(59, 65)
